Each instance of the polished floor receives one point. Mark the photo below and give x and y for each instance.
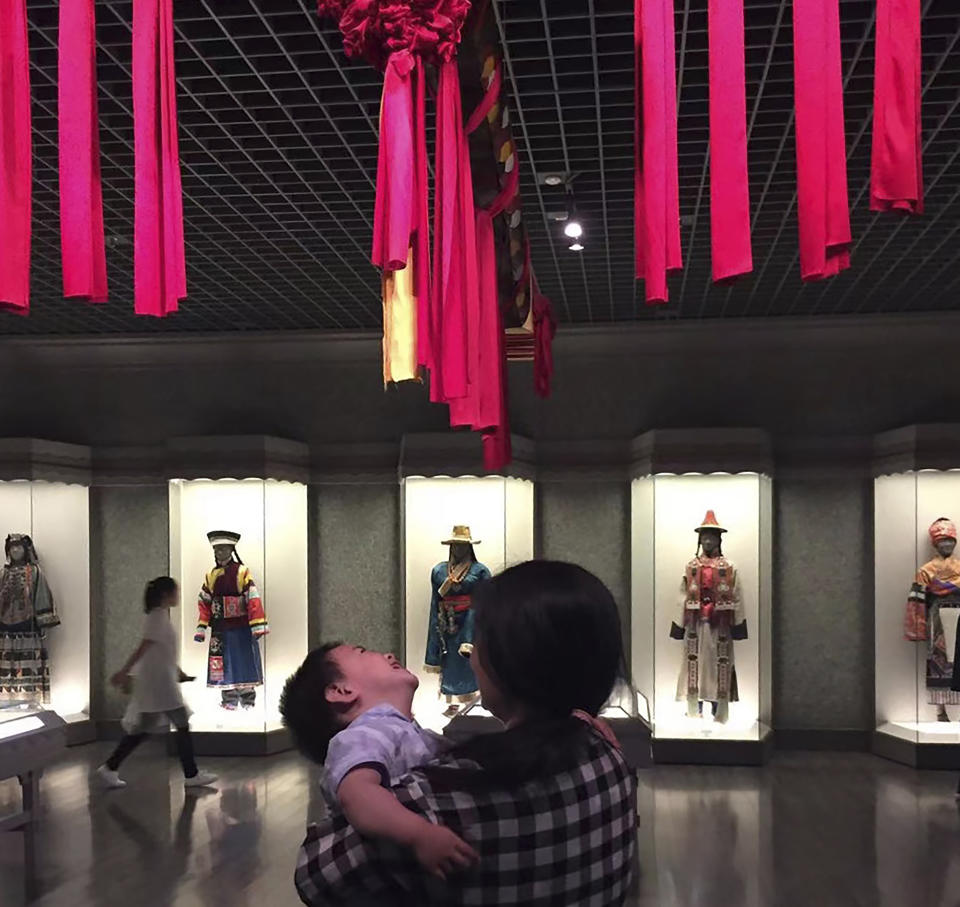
(815, 830)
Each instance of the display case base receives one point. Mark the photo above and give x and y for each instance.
(634, 734)
(914, 754)
(706, 751)
(80, 731)
(235, 743)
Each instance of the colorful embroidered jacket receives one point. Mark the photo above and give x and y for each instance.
(26, 604)
(710, 591)
(937, 579)
(230, 597)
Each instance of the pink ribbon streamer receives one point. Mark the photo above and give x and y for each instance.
(822, 202)
(896, 171)
(81, 199)
(729, 183)
(657, 196)
(160, 279)
(15, 158)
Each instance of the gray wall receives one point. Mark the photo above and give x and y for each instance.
(356, 585)
(129, 532)
(823, 602)
(588, 523)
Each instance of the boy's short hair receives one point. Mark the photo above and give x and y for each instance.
(311, 719)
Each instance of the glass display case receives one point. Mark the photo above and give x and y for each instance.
(917, 594)
(495, 513)
(701, 612)
(259, 584)
(45, 622)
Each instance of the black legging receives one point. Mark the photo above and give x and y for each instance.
(184, 745)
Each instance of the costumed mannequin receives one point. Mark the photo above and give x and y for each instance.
(933, 610)
(230, 606)
(450, 631)
(26, 611)
(711, 616)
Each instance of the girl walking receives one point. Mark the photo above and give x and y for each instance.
(156, 693)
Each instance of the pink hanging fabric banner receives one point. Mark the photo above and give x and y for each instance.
(896, 171)
(16, 171)
(657, 196)
(159, 270)
(729, 184)
(822, 202)
(81, 200)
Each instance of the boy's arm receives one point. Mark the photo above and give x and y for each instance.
(373, 810)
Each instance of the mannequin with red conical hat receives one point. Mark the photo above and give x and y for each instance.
(711, 616)
(933, 613)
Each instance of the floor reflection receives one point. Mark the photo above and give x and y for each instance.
(808, 830)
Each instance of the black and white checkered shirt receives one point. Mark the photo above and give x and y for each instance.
(568, 839)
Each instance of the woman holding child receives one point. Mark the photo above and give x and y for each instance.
(541, 813)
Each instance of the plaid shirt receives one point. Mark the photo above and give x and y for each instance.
(568, 839)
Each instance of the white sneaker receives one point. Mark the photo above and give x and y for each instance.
(200, 779)
(110, 779)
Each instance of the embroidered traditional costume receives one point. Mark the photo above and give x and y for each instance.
(933, 612)
(26, 612)
(231, 607)
(450, 631)
(711, 616)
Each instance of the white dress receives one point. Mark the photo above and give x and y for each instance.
(155, 688)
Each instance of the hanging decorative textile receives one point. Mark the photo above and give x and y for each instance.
(656, 185)
(159, 267)
(81, 200)
(729, 184)
(545, 329)
(15, 162)
(896, 171)
(822, 204)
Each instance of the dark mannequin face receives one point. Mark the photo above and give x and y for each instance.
(946, 547)
(222, 554)
(709, 542)
(459, 551)
(17, 554)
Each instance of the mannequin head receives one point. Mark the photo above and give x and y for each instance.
(460, 552)
(710, 542)
(945, 547)
(19, 550)
(223, 554)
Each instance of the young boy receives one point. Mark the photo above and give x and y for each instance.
(351, 710)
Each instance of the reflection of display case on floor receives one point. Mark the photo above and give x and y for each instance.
(917, 481)
(265, 502)
(443, 487)
(702, 656)
(44, 494)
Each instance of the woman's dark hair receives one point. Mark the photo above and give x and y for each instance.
(310, 718)
(549, 637)
(158, 591)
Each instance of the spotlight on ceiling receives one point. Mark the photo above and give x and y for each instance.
(573, 229)
(576, 247)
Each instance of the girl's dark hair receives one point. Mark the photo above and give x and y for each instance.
(549, 637)
(157, 591)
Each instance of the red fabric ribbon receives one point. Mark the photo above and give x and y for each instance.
(822, 204)
(81, 199)
(455, 301)
(657, 196)
(15, 163)
(729, 183)
(160, 279)
(896, 171)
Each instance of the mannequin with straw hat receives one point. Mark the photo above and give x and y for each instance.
(450, 629)
(710, 617)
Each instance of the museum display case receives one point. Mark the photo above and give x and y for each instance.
(917, 595)
(701, 553)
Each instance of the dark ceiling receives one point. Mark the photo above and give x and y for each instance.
(278, 145)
